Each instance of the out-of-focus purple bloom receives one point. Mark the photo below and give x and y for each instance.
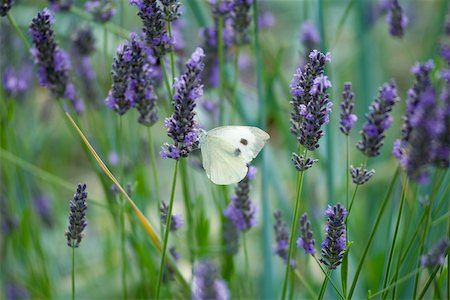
(117, 99)
(83, 41)
(301, 163)
(176, 221)
(8, 221)
(348, 119)
(266, 20)
(436, 257)
(378, 120)
(241, 210)
(207, 283)
(14, 291)
(396, 19)
(43, 207)
(281, 248)
(441, 144)
(230, 237)
(60, 5)
(310, 102)
(445, 52)
(5, 6)
(309, 36)
(306, 239)
(447, 25)
(113, 158)
(15, 83)
(181, 126)
(241, 21)
(171, 9)
(334, 244)
(77, 217)
(102, 10)
(53, 63)
(177, 36)
(154, 26)
(361, 175)
(221, 7)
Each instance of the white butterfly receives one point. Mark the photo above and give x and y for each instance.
(227, 150)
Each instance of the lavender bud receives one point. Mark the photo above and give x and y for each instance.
(378, 120)
(207, 283)
(77, 217)
(301, 163)
(102, 10)
(5, 6)
(176, 221)
(60, 5)
(334, 244)
(15, 83)
(171, 9)
(181, 126)
(396, 19)
(309, 36)
(281, 248)
(241, 21)
(436, 257)
(241, 210)
(361, 175)
(348, 119)
(306, 239)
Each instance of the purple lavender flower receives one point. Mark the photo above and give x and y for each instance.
(445, 52)
(140, 87)
(5, 6)
(118, 99)
(77, 217)
(15, 83)
(13, 291)
(348, 119)
(266, 20)
(361, 175)
(60, 5)
(176, 221)
(309, 36)
(207, 283)
(301, 163)
(53, 63)
(306, 239)
(154, 26)
(179, 43)
(334, 244)
(221, 7)
(171, 9)
(378, 120)
(310, 102)
(396, 19)
(241, 210)
(281, 248)
(181, 126)
(43, 207)
(436, 257)
(102, 10)
(241, 21)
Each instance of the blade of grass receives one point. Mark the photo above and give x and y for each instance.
(16, 28)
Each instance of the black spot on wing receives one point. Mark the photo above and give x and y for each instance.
(244, 142)
(237, 152)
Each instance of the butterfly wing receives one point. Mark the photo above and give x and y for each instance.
(227, 150)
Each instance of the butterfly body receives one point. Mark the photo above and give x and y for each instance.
(227, 150)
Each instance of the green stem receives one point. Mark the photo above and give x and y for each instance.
(327, 274)
(73, 270)
(344, 267)
(351, 202)
(247, 265)
(235, 83)
(324, 285)
(394, 239)
(393, 284)
(120, 143)
(220, 50)
(187, 203)
(308, 288)
(293, 231)
(14, 25)
(372, 234)
(153, 170)
(166, 80)
(430, 279)
(167, 230)
(105, 53)
(172, 60)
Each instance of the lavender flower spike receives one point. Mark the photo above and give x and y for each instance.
(101, 10)
(306, 239)
(310, 102)
(60, 5)
(309, 36)
(171, 9)
(378, 120)
(396, 20)
(77, 217)
(241, 210)
(361, 175)
(181, 126)
(176, 220)
(241, 21)
(348, 119)
(281, 248)
(436, 256)
(334, 244)
(207, 283)
(5, 6)
(301, 163)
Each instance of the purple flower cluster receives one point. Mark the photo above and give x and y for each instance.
(281, 248)
(53, 62)
(348, 119)
(176, 221)
(241, 210)
(301, 163)
(102, 10)
(181, 126)
(310, 102)
(77, 217)
(154, 26)
(60, 5)
(334, 244)
(361, 175)
(436, 257)
(241, 21)
(43, 206)
(378, 120)
(309, 36)
(5, 6)
(306, 239)
(171, 9)
(15, 83)
(396, 19)
(207, 283)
